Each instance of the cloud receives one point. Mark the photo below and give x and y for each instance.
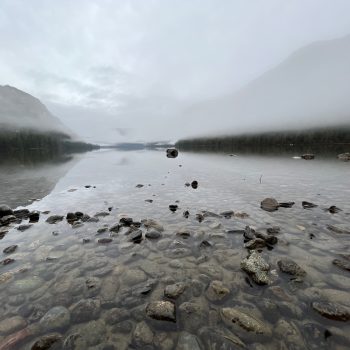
(136, 64)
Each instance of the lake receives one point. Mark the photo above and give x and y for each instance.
(126, 272)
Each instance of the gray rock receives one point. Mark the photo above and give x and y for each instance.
(344, 156)
(173, 291)
(24, 227)
(135, 236)
(153, 234)
(255, 244)
(10, 249)
(116, 315)
(217, 291)
(6, 220)
(74, 342)
(142, 335)
(25, 285)
(187, 341)
(56, 318)
(345, 265)
(48, 342)
(93, 332)
(85, 310)
(257, 267)
(220, 338)
(12, 324)
(193, 315)
(269, 204)
(332, 311)
(161, 310)
(241, 319)
(5, 210)
(54, 219)
(290, 267)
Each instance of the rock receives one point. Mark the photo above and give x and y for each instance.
(217, 291)
(101, 214)
(143, 335)
(7, 261)
(290, 267)
(105, 240)
(241, 319)
(222, 337)
(333, 209)
(24, 227)
(308, 156)
(187, 341)
(85, 310)
(184, 233)
(186, 214)
(192, 315)
(135, 236)
(273, 230)
(93, 332)
(187, 184)
(332, 311)
(6, 220)
(115, 228)
(308, 205)
(152, 224)
(48, 342)
(71, 217)
(257, 267)
(12, 324)
(344, 156)
(153, 234)
(342, 264)
(21, 213)
(56, 318)
(289, 332)
(172, 153)
(34, 216)
(149, 200)
(286, 204)
(227, 214)
(5, 210)
(53, 219)
(241, 215)
(269, 204)
(133, 276)
(194, 184)
(199, 217)
(126, 222)
(248, 233)
(139, 185)
(173, 207)
(338, 229)
(161, 310)
(173, 291)
(10, 249)
(255, 244)
(116, 315)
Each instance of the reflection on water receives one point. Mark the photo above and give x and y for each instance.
(95, 295)
(24, 179)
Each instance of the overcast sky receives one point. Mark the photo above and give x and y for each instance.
(122, 70)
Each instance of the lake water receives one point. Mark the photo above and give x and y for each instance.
(64, 283)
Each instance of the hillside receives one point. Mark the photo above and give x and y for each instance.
(309, 89)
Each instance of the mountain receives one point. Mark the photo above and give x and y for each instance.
(309, 89)
(26, 125)
(20, 110)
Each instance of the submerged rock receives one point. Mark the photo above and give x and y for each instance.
(153, 234)
(332, 311)
(105, 240)
(85, 310)
(290, 267)
(333, 209)
(338, 229)
(217, 291)
(161, 310)
(308, 205)
(241, 319)
(342, 264)
(10, 249)
(53, 219)
(188, 341)
(173, 291)
(257, 267)
(12, 324)
(24, 227)
(48, 342)
(269, 204)
(56, 318)
(286, 204)
(143, 335)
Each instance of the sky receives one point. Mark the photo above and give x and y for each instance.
(116, 71)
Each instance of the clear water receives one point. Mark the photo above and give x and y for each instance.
(61, 270)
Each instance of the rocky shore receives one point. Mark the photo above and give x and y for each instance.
(213, 281)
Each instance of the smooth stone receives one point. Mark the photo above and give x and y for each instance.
(332, 311)
(12, 324)
(236, 318)
(116, 315)
(153, 234)
(269, 204)
(93, 332)
(85, 310)
(193, 314)
(10, 249)
(257, 267)
(217, 291)
(132, 277)
(26, 285)
(161, 310)
(56, 318)
(173, 291)
(187, 341)
(222, 337)
(142, 335)
(290, 267)
(54, 219)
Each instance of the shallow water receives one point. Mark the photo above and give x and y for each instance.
(54, 268)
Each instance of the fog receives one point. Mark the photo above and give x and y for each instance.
(117, 71)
